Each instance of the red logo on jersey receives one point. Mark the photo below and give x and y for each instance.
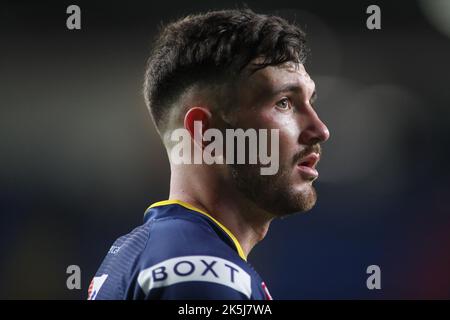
(266, 291)
(91, 286)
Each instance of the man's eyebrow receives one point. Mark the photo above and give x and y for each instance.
(288, 87)
(293, 87)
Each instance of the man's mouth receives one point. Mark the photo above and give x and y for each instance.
(307, 166)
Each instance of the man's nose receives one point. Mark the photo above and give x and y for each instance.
(313, 129)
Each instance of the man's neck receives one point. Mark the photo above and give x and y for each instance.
(243, 219)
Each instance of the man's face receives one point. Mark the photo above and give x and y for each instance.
(281, 97)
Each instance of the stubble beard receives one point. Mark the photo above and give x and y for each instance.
(275, 194)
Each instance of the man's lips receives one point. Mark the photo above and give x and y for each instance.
(307, 166)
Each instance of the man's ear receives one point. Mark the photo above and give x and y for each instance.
(198, 115)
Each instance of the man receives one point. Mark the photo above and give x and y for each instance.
(222, 70)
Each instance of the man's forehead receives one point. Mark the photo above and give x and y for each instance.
(291, 66)
(274, 76)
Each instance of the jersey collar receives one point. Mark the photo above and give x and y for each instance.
(191, 207)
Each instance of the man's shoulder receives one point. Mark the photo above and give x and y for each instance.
(175, 256)
(185, 254)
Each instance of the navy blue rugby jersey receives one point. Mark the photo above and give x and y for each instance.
(180, 252)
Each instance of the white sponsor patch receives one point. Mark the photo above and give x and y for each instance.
(95, 286)
(196, 268)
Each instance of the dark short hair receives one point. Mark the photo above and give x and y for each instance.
(213, 48)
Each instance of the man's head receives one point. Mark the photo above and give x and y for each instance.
(237, 69)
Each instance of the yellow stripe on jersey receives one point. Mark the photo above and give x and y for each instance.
(191, 207)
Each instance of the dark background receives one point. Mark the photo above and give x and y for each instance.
(80, 160)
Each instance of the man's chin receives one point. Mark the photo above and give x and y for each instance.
(279, 195)
(293, 202)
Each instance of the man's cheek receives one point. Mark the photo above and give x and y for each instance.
(269, 153)
(287, 147)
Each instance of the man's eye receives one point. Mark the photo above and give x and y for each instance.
(284, 104)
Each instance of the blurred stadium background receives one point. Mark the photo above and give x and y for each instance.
(80, 160)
